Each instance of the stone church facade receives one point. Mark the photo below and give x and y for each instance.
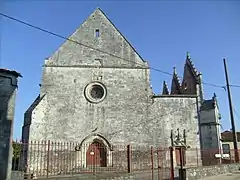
(88, 95)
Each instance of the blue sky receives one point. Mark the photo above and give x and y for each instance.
(162, 32)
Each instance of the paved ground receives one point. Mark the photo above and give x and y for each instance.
(233, 176)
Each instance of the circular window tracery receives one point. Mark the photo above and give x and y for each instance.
(95, 92)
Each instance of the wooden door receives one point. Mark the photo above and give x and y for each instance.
(96, 155)
(178, 154)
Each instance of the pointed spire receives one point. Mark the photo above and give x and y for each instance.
(191, 78)
(176, 86)
(214, 99)
(200, 87)
(174, 70)
(214, 95)
(191, 66)
(165, 90)
(188, 56)
(175, 75)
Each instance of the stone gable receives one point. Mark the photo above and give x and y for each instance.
(97, 32)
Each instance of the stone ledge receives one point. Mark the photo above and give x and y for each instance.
(101, 176)
(207, 171)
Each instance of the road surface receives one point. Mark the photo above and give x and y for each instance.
(232, 176)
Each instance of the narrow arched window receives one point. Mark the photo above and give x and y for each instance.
(97, 33)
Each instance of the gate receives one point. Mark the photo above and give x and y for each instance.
(151, 163)
(165, 166)
(182, 162)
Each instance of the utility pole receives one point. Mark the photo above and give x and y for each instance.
(231, 115)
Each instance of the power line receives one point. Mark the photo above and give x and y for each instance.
(99, 50)
(1, 36)
(65, 38)
(237, 86)
(235, 112)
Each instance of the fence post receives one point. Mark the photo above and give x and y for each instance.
(182, 170)
(48, 159)
(158, 163)
(152, 161)
(172, 164)
(197, 155)
(129, 158)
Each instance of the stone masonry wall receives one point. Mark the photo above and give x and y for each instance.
(8, 85)
(172, 113)
(128, 115)
(65, 115)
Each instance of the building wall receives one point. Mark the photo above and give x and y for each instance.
(64, 114)
(172, 113)
(228, 146)
(210, 127)
(211, 135)
(130, 124)
(72, 67)
(129, 114)
(8, 85)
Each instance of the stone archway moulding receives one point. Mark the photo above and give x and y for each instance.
(83, 147)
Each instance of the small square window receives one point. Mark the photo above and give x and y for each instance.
(226, 148)
(97, 33)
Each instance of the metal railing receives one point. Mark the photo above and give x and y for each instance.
(48, 159)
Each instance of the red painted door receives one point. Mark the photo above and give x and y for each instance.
(178, 154)
(93, 155)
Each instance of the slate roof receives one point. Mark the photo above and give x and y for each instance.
(191, 67)
(11, 72)
(165, 88)
(208, 104)
(227, 136)
(176, 85)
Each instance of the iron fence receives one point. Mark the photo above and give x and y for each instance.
(196, 157)
(47, 159)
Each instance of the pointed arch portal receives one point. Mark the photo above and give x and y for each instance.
(95, 151)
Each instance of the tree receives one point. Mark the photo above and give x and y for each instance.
(16, 155)
(16, 149)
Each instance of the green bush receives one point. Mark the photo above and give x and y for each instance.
(16, 155)
(16, 149)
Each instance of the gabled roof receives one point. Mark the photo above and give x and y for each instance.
(85, 42)
(28, 113)
(100, 10)
(190, 66)
(227, 136)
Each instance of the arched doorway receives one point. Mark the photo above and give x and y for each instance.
(96, 154)
(95, 149)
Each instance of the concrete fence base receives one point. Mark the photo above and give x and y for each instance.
(206, 171)
(191, 173)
